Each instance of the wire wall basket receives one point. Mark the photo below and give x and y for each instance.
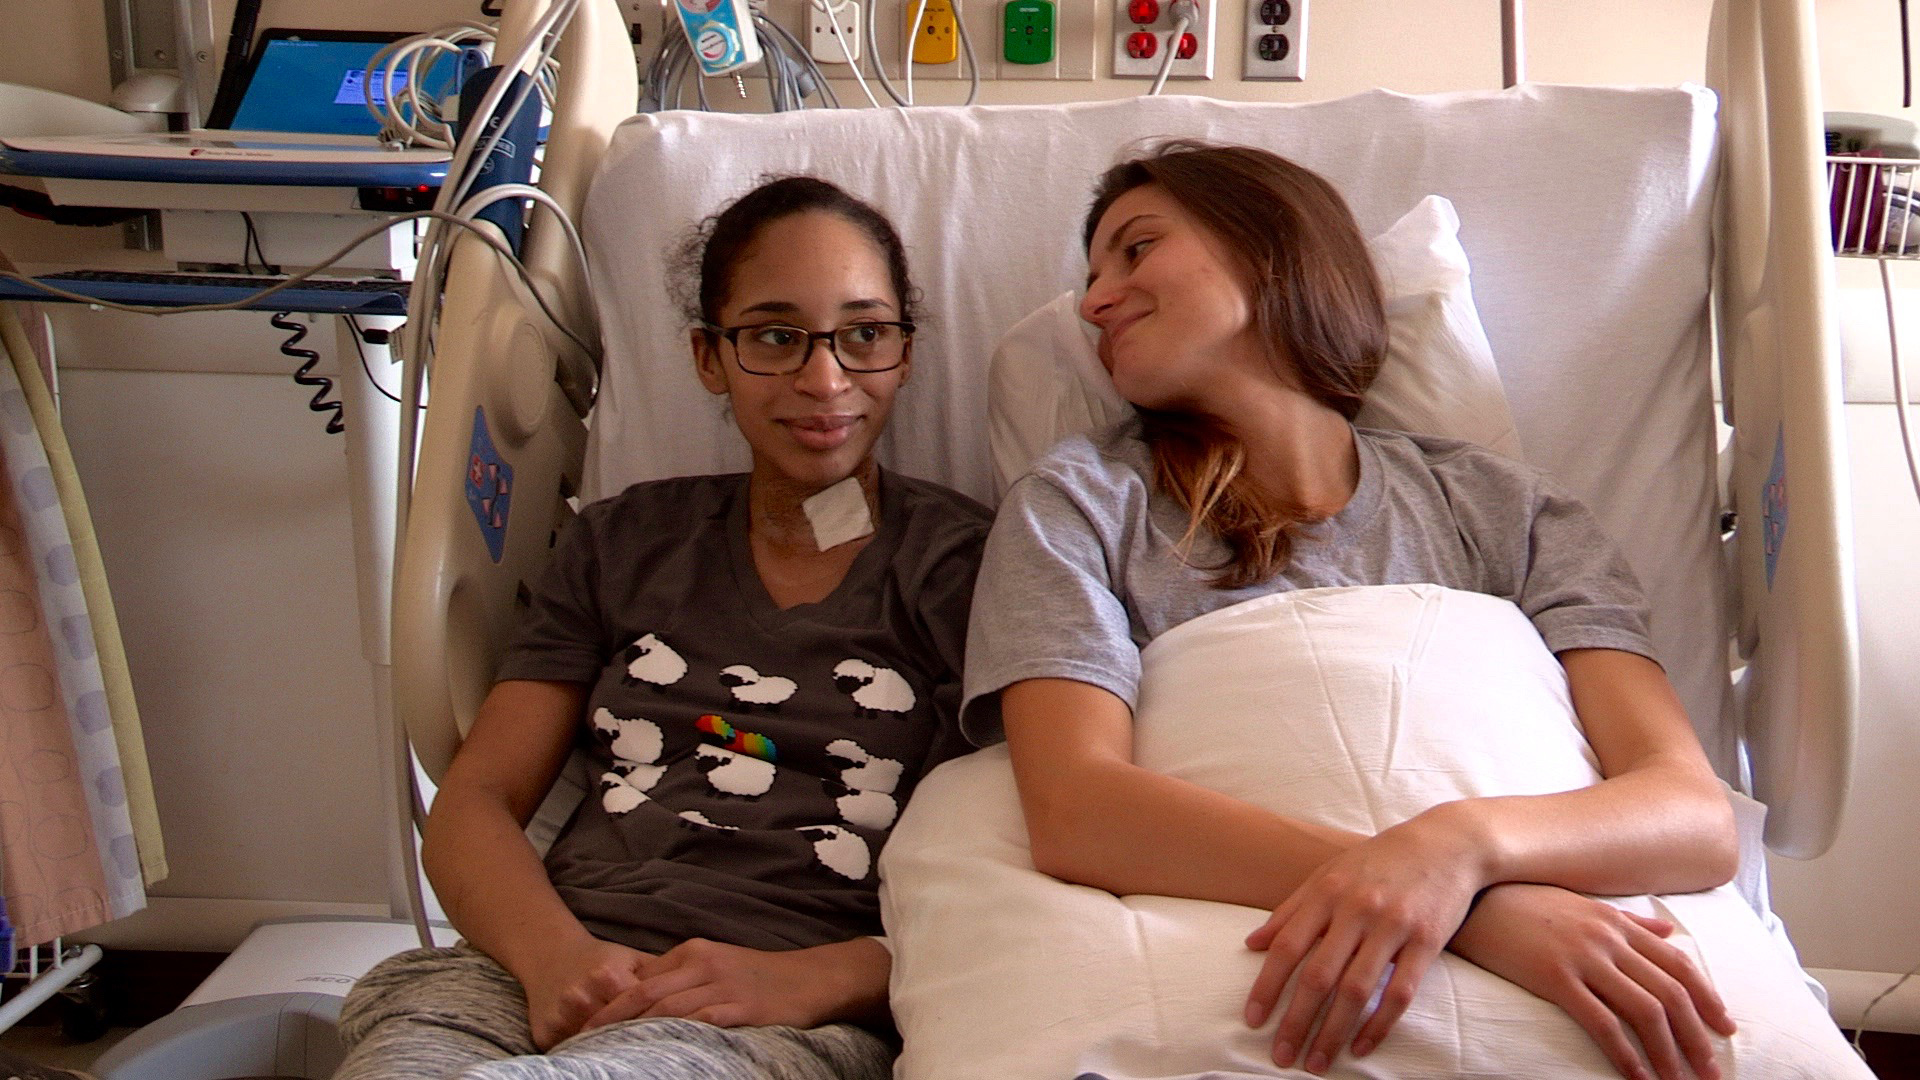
(1874, 207)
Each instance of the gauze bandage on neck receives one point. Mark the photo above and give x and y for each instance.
(839, 514)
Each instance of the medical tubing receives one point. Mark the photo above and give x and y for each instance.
(304, 375)
(1901, 402)
(796, 55)
(808, 67)
(873, 50)
(1173, 53)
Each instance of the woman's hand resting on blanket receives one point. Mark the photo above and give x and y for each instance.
(1610, 970)
(1395, 900)
(571, 983)
(732, 986)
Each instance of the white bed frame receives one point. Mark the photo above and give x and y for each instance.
(1777, 340)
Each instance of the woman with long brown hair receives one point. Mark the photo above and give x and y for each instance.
(1239, 312)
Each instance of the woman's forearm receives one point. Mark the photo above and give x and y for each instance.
(1659, 822)
(474, 847)
(491, 882)
(1650, 831)
(1130, 830)
(1095, 818)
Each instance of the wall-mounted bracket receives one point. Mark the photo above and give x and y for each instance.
(165, 37)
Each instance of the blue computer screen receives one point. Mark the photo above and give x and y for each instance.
(316, 87)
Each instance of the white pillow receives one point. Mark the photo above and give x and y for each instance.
(1046, 382)
(1414, 695)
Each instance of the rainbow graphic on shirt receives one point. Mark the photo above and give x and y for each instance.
(740, 742)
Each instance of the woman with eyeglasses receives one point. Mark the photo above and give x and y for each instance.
(761, 666)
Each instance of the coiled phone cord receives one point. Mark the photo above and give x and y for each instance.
(304, 375)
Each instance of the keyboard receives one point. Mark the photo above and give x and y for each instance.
(331, 296)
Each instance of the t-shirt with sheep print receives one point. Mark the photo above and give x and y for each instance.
(748, 762)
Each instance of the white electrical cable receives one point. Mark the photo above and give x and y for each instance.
(396, 124)
(1900, 399)
(472, 207)
(832, 12)
(1173, 53)
(966, 46)
(913, 38)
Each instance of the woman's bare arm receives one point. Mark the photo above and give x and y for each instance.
(487, 874)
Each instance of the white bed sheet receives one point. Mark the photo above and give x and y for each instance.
(1585, 211)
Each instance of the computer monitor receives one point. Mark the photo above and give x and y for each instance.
(315, 82)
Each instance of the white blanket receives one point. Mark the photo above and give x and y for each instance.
(1356, 708)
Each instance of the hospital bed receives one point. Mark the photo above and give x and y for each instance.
(1626, 246)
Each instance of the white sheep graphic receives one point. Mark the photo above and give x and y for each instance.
(625, 786)
(864, 792)
(636, 747)
(695, 817)
(875, 689)
(751, 689)
(733, 773)
(868, 773)
(651, 660)
(867, 809)
(634, 740)
(840, 851)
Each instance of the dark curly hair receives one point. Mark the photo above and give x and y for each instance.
(701, 270)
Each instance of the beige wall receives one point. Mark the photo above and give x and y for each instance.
(239, 610)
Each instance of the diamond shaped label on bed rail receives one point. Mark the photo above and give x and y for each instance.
(489, 486)
(1773, 505)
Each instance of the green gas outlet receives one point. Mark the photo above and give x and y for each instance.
(1028, 32)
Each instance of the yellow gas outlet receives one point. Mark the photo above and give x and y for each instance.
(938, 41)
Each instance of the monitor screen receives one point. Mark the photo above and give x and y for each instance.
(318, 85)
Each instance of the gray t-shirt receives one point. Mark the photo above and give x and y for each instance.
(1082, 569)
(750, 761)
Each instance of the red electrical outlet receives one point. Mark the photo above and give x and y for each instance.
(1143, 38)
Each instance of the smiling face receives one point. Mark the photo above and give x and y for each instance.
(817, 426)
(1174, 314)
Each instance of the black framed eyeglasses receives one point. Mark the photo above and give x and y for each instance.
(779, 349)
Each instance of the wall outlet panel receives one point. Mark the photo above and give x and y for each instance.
(1027, 32)
(824, 46)
(938, 41)
(1077, 42)
(1276, 40)
(1198, 66)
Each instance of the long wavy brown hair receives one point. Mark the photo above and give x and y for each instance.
(1317, 303)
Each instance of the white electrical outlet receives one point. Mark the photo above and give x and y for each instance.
(1127, 47)
(822, 43)
(1276, 40)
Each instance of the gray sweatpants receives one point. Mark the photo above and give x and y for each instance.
(444, 1013)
